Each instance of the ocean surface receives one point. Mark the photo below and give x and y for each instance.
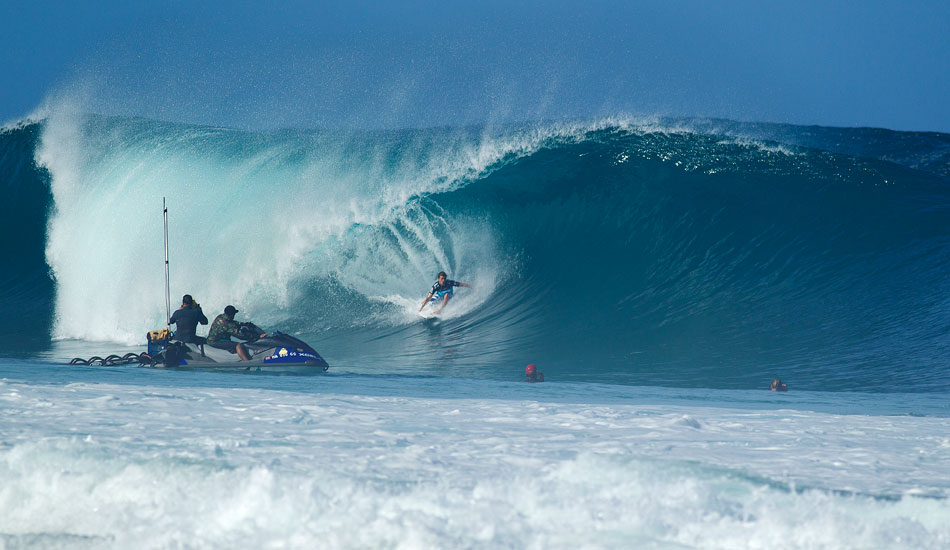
(660, 272)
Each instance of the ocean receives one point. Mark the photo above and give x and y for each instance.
(660, 272)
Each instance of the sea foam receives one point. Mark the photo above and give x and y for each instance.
(141, 466)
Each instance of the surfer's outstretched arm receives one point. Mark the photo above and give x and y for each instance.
(426, 301)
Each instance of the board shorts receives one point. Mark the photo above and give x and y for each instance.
(229, 345)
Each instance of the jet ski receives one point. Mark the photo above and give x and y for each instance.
(277, 353)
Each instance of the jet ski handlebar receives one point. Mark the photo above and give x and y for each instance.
(250, 332)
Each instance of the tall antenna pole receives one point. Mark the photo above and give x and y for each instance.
(168, 300)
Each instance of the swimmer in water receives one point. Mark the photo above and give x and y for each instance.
(532, 374)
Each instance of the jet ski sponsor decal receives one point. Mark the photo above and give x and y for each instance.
(287, 355)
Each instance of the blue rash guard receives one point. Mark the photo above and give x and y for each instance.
(439, 291)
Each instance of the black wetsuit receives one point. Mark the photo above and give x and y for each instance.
(537, 376)
(186, 320)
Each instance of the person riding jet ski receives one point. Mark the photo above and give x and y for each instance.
(224, 327)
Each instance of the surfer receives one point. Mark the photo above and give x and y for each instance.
(186, 319)
(532, 374)
(778, 385)
(441, 291)
(223, 328)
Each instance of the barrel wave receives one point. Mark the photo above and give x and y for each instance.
(664, 252)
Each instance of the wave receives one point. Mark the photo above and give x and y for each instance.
(698, 253)
(26, 289)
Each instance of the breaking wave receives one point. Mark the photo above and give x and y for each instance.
(686, 252)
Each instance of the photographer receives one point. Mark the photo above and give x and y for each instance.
(186, 319)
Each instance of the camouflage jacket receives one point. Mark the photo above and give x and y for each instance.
(222, 329)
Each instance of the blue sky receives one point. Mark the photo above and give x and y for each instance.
(375, 64)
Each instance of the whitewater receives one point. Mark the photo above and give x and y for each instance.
(660, 272)
(109, 459)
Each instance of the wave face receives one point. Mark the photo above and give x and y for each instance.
(683, 253)
(26, 289)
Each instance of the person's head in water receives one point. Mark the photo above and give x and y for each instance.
(532, 374)
(442, 276)
(230, 311)
(778, 385)
(187, 301)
